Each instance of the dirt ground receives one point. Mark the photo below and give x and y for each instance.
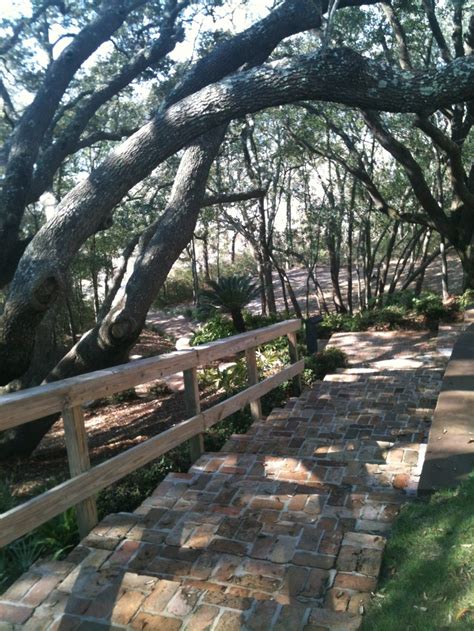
(112, 426)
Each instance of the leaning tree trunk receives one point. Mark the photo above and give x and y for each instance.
(110, 341)
(444, 270)
(467, 261)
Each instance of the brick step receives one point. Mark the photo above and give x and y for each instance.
(299, 438)
(99, 599)
(342, 378)
(271, 539)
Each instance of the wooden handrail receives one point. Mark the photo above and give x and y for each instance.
(27, 405)
(67, 396)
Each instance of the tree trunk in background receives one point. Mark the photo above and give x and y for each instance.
(350, 228)
(283, 291)
(467, 260)
(386, 262)
(424, 256)
(194, 272)
(261, 278)
(444, 270)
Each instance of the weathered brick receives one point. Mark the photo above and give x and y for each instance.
(261, 616)
(16, 614)
(357, 582)
(202, 619)
(183, 602)
(358, 602)
(226, 569)
(363, 540)
(260, 583)
(332, 620)
(283, 549)
(323, 561)
(229, 621)
(65, 623)
(138, 582)
(126, 607)
(221, 598)
(347, 559)
(316, 583)
(41, 590)
(337, 599)
(160, 596)
(153, 622)
(262, 547)
(227, 546)
(369, 562)
(102, 606)
(291, 617)
(124, 553)
(295, 579)
(21, 586)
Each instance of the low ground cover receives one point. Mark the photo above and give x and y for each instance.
(428, 572)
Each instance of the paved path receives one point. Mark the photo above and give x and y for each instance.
(283, 529)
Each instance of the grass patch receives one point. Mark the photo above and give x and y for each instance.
(428, 573)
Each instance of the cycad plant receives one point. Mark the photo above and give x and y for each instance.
(230, 294)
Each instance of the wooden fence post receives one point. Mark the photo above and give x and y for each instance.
(193, 407)
(293, 348)
(78, 458)
(252, 376)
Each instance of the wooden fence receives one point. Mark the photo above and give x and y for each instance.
(69, 395)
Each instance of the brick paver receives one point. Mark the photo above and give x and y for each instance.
(283, 529)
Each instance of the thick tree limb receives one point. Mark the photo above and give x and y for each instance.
(400, 36)
(436, 30)
(39, 114)
(68, 141)
(453, 151)
(231, 198)
(414, 173)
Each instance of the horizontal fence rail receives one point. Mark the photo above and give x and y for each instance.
(67, 397)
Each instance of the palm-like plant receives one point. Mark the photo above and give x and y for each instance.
(230, 294)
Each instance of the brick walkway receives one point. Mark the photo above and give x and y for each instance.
(283, 529)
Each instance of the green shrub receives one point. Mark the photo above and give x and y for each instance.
(124, 396)
(431, 306)
(466, 300)
(220, 326)
(159, 389)
(214, 329)
(392, 315)
(128, 493)
(325, 362)
(403, 298)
